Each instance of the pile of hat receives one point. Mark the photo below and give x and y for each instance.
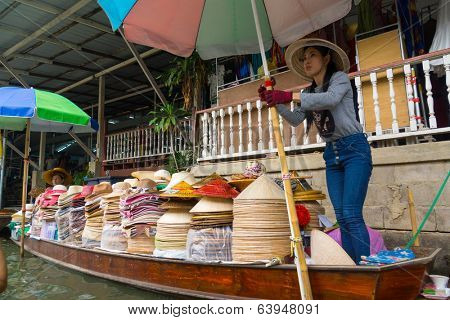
(210, 236)
(63, 213)
(36, 222)
(261, 228)
(161, 177)
(77, 218)
(140, 208)
(112, 234)
(253, 170)
(16, 221)
(172, 228)
(92, 232)
(48, 210)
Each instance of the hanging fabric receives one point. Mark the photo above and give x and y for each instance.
(411, 27)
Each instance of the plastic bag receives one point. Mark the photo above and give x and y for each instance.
(113, 238)
(211, 244)
(173, 254)
(49, 230)
(62, 221)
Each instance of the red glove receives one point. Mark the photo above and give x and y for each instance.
(262, 93)
(274, 97)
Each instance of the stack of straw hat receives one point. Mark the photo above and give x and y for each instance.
(48, 210)
(161, 177)
(261, 224)
(92, 232)
(141, 209)
(112, 235)
(173, 226)
(63, 213)
(77, 218)
(210, 236)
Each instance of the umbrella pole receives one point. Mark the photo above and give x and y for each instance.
(296, 239)
(24, 185)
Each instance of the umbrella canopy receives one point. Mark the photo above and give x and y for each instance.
(218, 28)
(47, 111)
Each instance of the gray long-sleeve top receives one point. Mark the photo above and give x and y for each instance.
(338, 99)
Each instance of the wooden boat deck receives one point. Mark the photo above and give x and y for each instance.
(241, 281)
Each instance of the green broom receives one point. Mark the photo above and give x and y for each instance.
(427, 215)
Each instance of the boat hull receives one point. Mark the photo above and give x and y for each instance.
(236, 281)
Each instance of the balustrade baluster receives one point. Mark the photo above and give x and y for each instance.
(271, 145)
(214, 134)
(293, 130)
(409, 92)
(241, 142)
(231, 148)
(260, 130)
(250, 127)
(430, 100)
(376, 105)
(362, 117)
(447, 75)
(222, 132)
(390, 77)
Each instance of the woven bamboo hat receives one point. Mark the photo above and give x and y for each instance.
(294, 55)
(208, 204)
(263, 188)
(143, 175)
(48, 175)
(133, 182)
(326, 251)
(179, 177)
(163, 175)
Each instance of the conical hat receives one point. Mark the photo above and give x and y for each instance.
(261, 189)
(326, 251)
(175, 218)
(208, 204)
(178, 177)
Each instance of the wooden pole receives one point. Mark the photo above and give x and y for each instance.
(296, 239)
(413, 216)
(26, 162)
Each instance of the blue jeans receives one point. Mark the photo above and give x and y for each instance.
(349, 167)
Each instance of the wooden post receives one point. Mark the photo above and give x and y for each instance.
(24, 185)
(102, 124)
(300, 261)
(413, 216)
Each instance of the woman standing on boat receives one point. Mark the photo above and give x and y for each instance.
(328, 103)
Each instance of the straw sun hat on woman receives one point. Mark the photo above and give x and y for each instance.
(295, 52)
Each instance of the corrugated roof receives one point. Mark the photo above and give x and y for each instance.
(70, 51)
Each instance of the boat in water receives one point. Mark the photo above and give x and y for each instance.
(225, 280)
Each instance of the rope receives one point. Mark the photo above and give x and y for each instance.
(294, 242)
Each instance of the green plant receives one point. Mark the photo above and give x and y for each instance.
(192, 75)
(180, 160)
(78, 177)
(166, 119)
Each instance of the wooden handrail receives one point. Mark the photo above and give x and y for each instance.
(352, 75)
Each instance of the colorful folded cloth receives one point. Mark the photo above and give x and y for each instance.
(388, 257)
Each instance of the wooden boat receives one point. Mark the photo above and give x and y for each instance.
(241, 281)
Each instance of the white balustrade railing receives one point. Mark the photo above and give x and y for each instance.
(390, 105)
(144, 142)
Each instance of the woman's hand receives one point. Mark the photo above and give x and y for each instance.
(274, 97)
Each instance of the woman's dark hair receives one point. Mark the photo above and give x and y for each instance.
(331, 69)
